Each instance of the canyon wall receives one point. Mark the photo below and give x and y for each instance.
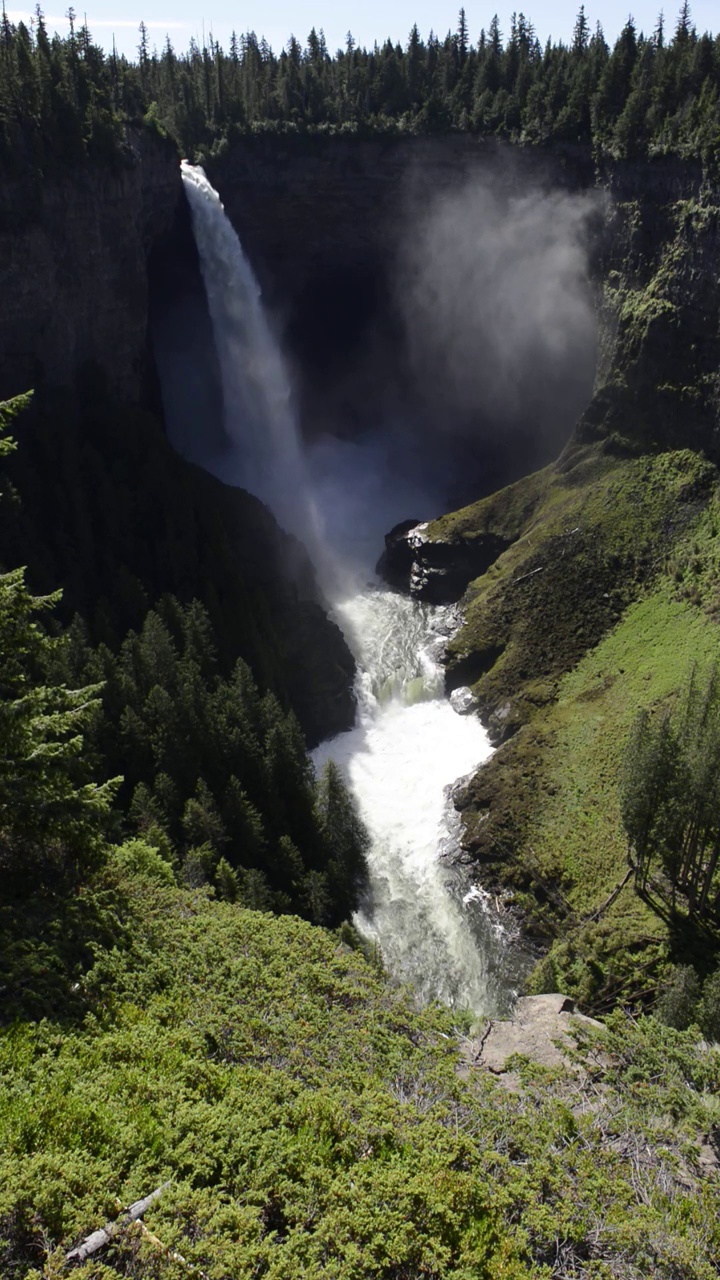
(658, 378)
(325, 219)
(304, 205)
(86, 256)
(334, 228)
(74, 249)
(103, 498)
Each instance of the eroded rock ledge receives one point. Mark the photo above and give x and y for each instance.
(432, 569)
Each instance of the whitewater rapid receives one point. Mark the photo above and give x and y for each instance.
(408, 746)
(401, 758)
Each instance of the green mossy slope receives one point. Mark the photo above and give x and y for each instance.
(587, 534)
(601, 606)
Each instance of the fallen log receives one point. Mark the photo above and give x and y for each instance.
(100, 1239)
(611, 897)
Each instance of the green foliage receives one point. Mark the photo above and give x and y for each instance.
(53, 818)
(51, 822)
(217, 770)
(312, 1121)
(344, 836)
(142, 860)
(708, 1012)
(103, 506)
(568, 656)
(677, 1005)
(9, 411)
(687, 1000)
(210, 773)
(58, 95)
(671, 796)
(253, 1064)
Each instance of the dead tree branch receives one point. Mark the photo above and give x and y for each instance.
(100, 1239)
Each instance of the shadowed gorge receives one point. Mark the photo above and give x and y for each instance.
(386, 295)
(182, 341)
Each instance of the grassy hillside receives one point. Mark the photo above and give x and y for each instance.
(312, 1122)
(604, 603)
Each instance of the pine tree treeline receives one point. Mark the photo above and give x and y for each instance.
(151, 743)
(216, 770)
(63, 97)
(670, 799)
(51, 813)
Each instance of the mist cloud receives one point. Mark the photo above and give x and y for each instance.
(498, 311)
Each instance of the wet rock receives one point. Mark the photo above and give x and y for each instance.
(504, 721)
(434, 570)
(442, 571)
(463, 701)
(396, 562)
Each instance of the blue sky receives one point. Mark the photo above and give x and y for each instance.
(368, 20)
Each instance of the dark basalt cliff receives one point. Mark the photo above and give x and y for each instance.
(333, 225)
(74, 249)
(658, 379)
(306, 205)
(103, 497)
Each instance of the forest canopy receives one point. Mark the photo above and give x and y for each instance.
(62, 98)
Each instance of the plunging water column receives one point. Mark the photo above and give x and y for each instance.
(408, 745)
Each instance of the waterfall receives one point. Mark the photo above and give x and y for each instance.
(408, 746)
(259, 413)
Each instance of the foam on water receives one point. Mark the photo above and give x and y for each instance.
(401, 757)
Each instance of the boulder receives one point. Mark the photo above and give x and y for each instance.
(396, 562)
(463, 701)
(540, 1029)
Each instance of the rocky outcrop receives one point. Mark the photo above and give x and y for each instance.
(432, 569)
(74, 250)
(540, 1029)
(658, 381)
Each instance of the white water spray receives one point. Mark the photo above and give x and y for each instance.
(408, 745)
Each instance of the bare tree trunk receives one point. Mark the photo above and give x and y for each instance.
(709, 874)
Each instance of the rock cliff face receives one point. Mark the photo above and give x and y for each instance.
(332, 226)
(74, 253)
(103, 496)
(307, 205)
(659, 369)
(304, 204)
(325, 220)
